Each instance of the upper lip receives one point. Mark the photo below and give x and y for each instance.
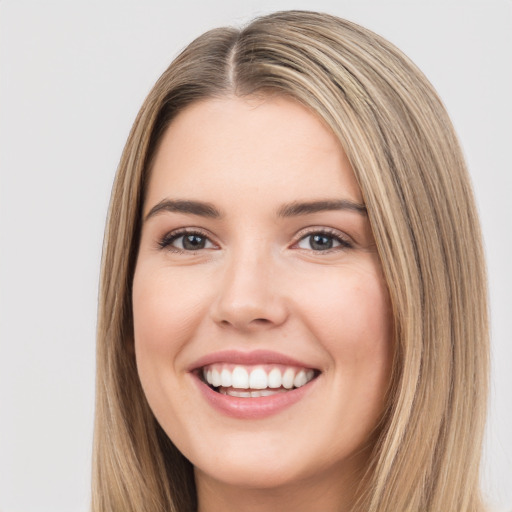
(254, 357)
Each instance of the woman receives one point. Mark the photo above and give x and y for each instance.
(291, 307)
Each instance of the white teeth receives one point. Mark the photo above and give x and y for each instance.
(240, 394)
(239, 378)
(225, 378)
(268, 392)
(250, 394)
(288, 377)
(274, 378)
(300, 379)
(215, 377)
(258, 379)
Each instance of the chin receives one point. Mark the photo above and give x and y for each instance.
(254, 473)
(272, 462)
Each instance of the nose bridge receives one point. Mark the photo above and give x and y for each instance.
(248, 296)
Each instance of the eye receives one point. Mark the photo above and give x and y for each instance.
(186, 241)
(323, 241)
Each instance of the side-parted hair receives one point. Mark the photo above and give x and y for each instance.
(408, 163)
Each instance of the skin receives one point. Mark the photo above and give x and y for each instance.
(259, 284)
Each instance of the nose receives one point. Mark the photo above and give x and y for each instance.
(250, 297)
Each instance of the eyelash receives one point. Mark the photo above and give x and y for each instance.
(167, 241)
(333, 234)
(344, 244)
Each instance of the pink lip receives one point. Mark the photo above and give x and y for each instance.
(249, 408)
(252, 408)
(247, 358)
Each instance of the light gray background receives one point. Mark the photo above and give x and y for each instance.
(73, 75)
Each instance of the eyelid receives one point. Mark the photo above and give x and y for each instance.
(345, 240)
(166, 241)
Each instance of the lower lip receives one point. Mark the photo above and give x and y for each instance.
(256, 407)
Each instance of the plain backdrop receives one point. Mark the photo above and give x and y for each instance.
(72, 77)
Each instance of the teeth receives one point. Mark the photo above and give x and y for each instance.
(250, 394)
(216, 378)
(240, 394)
(288, 377)
(300, 379)
(225, 378)
(239, 378)
(268, 392)
(274, 378)
(259, 381)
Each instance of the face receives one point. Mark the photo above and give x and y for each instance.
(261, 319)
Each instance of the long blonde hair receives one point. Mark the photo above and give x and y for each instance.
(412, 175)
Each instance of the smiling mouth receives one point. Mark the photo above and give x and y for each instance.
(252, 381)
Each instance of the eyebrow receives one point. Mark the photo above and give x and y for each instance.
(293, 209)
(185, 206)
(297, 208)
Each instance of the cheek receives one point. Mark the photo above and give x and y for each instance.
(165, 315)
(351, 307)
(166, 310)
(350, 315)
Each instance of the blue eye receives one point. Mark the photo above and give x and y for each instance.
(189, 241)
(321, 241)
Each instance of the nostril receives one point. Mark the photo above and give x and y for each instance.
(249, 312)
(255, 322)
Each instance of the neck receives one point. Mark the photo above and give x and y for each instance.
(319, 493)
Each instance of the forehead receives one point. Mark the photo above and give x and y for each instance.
(221, 148)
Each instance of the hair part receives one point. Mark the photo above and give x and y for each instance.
(408, 163)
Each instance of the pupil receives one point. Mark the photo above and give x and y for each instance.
(320, 242)
(193, 242)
